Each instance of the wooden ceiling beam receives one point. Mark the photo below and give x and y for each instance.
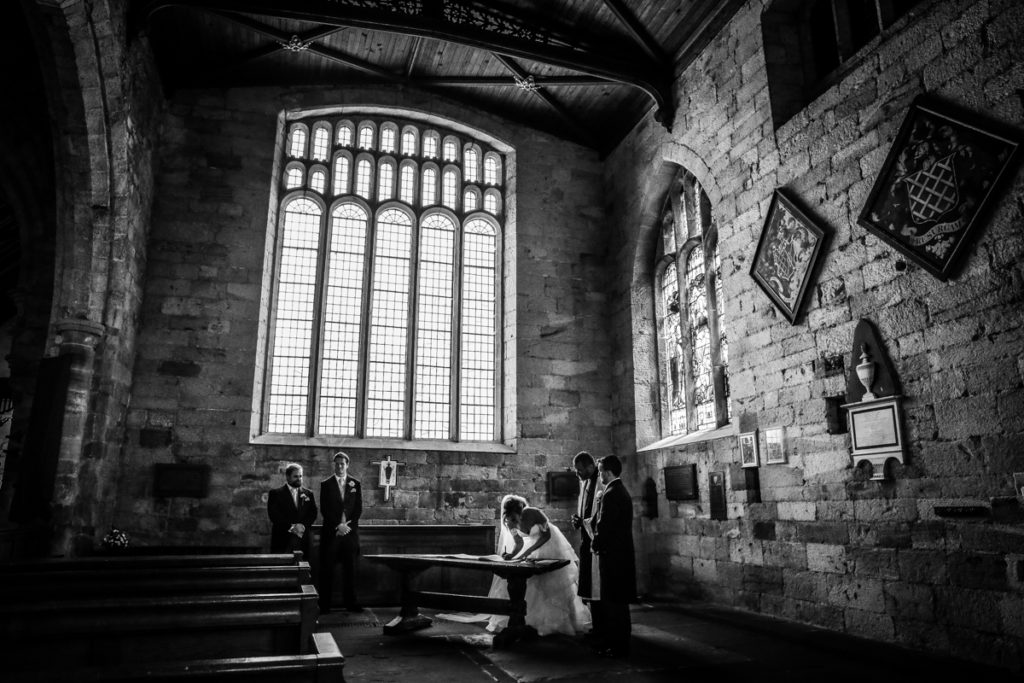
(410, 63)
(266, 50)
(326, 53)
(501, 29)
(639, 32)
(528, 82)
(540, 81)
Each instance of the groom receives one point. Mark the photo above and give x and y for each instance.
(586, 470)
(613, 545)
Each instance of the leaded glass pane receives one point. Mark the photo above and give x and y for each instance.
(700, 338)
(478, 362)
(342, 317)
(409, 143)
(470, 159)
(450, 189)
(672, 335)
(492, 170)
(434, 329)
(387, 140)
(385, 181)
(341, 175)
(345, 135)
(297, 148)
(289, 376)
(389, 322)
(366, 137)
(321, 143)
(407, 184)
(429, 188)
(430, 145)
(364, 172)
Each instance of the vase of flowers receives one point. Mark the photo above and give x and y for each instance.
(115, 541)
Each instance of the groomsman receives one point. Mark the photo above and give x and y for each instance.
(292, 511)
(341, 503)
(586, 470)
(613, 545)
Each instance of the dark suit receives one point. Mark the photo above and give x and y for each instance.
(586, 511)
(335, 548)
(613, 543)
(283, 513)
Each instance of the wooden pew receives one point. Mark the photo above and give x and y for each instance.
(325, 664)
(118, 631)
(122, 581)
(152, 561)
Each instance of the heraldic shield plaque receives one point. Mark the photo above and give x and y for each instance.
(936, 185)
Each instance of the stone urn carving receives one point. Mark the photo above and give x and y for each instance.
(866, 373)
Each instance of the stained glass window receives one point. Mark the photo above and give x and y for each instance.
(385, 320)
(693, 346)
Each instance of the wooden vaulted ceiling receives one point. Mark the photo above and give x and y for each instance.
(585, 70)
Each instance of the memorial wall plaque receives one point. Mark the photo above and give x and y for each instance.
(681, 482)
(716, 493)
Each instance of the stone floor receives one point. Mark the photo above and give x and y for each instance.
(671, 642)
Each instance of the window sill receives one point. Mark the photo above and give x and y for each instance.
(388, 444)
(726, 430)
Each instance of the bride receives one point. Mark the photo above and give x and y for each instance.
(552, 605)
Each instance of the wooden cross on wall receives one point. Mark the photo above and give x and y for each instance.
(388, 475)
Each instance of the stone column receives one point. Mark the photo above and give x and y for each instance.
(78, 339)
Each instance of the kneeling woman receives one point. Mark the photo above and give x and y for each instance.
(552, 605)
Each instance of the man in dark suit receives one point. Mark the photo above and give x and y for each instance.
(341, 503)
(292, 511)
(586, 470)
(613, 545)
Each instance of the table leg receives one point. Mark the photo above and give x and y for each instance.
(517, 629)
(409, 618)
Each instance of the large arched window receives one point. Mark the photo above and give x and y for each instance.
(385, 304)
(693, 347)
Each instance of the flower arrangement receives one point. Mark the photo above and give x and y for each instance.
(115, 539)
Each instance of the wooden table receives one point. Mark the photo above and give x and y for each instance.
(516, 573)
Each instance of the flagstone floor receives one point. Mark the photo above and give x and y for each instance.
(671, 642)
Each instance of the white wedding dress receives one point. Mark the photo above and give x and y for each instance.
(552, 605)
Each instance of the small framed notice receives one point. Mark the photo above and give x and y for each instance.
(775, 446)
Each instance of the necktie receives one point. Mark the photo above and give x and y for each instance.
(341, 488)
(583, 497)
(295, 497)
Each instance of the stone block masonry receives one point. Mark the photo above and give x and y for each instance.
(826, 545)
(196, 365)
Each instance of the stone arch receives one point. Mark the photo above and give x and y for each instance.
(658, 176)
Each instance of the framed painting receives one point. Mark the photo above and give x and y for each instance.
(787, 253)
(748, 449)
(775, 446)
(936, 185)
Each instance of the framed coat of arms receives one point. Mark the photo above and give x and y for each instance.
(787, 255)
(935, 185)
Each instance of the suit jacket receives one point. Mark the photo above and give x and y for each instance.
(613, 543)
(332, 507)
(283, 513)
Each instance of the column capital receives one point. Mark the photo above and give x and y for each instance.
(79, 332)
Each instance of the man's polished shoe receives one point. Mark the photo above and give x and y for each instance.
(354, 608)
(614, 652)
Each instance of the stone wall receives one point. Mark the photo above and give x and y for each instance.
(193, 383)
(827, 546)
